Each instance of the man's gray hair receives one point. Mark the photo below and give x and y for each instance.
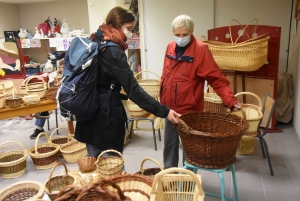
(183, 21)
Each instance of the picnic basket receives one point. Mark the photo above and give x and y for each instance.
(12, 162)
(151, 86)
(150, 172)
(135, 110)
(248, 55)
(210, 140)
(213, 102)
(177, 184)
(25, 190)
(44, 156)
(73, 150)
(54, 184)
(60, 140)
(111, 165)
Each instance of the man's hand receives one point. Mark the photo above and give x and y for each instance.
(172, 116)
(236, 107)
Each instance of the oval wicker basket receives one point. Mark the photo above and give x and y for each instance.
(73, 150)
(38, 88)
(210, 140)
(13, 101)
(44, 156)
(135, 110)
(25, 190)
(150, 172)
(54, 184)
(151, 86)
(111, 165)
(61, 140)
(31, 99)
(13, 163)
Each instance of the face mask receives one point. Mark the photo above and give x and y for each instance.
(127, 33)
(182, 42)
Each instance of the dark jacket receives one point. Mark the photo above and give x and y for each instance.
(183, 78)
(112, 65)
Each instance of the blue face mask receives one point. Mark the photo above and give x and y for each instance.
(182, 42)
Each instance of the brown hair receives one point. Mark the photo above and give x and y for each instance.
(118, 16)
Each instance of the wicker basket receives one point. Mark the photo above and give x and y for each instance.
(151, 86)
(253, 114)
(44, 156)
(135, 110)
(51, 92)
(54, 184)
(150, 172)
(7, 87)
(109, 166)
(60, 140)
(213, 103)
(13, 163)
(88, 178)
(134, 186)
(171, 184)
(25, 190)
(86, 164)
(38, 88)
(246, 145)
(3, 97)
(249, 55)
(31, 99)
(13, 101)
(73, 150)
(210, 140)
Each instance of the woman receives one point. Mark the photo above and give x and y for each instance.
(104, 131)
(188, 64)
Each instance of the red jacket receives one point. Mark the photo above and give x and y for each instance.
(183, 78)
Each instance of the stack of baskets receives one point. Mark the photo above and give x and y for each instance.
(152, 87)
(213, 102)
(253, 117)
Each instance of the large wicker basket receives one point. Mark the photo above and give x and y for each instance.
(54, 184)
(44, 156)
(151, 86)
(210, 140)
(25, 190)
(73, 150)
(150, 172)
(213, 102)
(177, 184)
(249, 55)
(111, 165)
(13, 163)
(135, 110)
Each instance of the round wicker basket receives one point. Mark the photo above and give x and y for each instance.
(151, 86)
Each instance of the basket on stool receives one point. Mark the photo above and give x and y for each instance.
(150, 172)
(73, 150)
(13, 163)
(210, 140)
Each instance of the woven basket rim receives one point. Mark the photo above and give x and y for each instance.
(24, 157)
(64, 148)
(237, 45)
(41, 155)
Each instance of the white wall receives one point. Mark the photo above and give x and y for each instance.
(268, 12)
(9, 18)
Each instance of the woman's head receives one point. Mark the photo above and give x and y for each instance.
(119, 18)
(183, 27)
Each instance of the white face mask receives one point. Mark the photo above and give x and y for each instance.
(182, 42)
(127, 33)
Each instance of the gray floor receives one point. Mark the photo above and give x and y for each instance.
(253, 177)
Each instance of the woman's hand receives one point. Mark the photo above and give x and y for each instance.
(172, 116)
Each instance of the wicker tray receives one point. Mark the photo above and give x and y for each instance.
(25, 190)
(210, 140)
(109, 166)
(150, 172)
(44, 156)
(13, 163)
(151, 86)
(73, 150)
(54, 184)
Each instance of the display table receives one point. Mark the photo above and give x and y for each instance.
(44, 105)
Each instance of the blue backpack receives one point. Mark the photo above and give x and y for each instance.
(77, 96)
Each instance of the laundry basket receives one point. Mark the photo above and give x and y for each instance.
(210, 140)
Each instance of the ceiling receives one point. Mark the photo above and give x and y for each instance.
(26, 1)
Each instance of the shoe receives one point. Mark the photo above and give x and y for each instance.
(42, 115)
(36, 133)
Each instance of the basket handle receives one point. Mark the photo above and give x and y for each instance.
(36, 141)
(146, 71)
(252, 94)
(243, 31)
(38, 77)
(105, 182)
(149, 159)
(203, 38)
(108, 150)
(182, 124)
(69, 135)
(50, 176)
(9, 142)
(159, 175)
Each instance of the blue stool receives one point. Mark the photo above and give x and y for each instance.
(220, 172)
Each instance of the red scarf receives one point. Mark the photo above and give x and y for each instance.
(114, 35)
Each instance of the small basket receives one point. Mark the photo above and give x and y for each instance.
(7, 87)
(150, 172)
(60, 140)
(51, 92)
(151, 86)
(210, 140)
(135, 110)
(246, 145)
(213, 103)
(54, 184)
(109, 166)
(86, 164)
(44, 156)
(13, 163)
(177, 184)
(13, 102)
(25, 190)
(73, 150)
(31, 99)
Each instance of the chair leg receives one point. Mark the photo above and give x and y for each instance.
(222, 186)
(159, 135)
(48, 124)
(268, 157)
(236, 196)
(131, 128)
(56, 122)
(154, 137)
(262, 147)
